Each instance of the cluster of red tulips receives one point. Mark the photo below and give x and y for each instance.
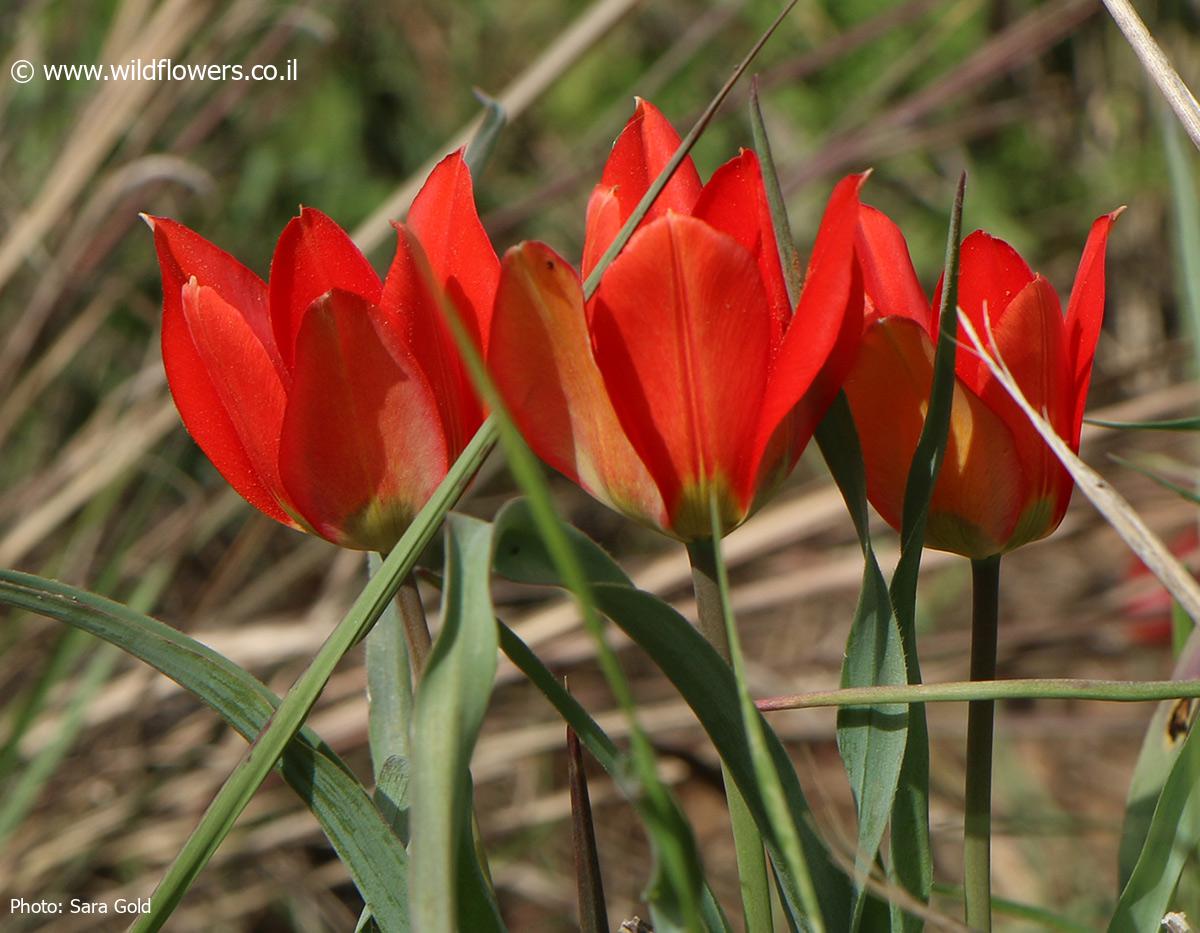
(335, 403)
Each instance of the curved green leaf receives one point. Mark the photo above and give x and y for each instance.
(595, 739)
(706, 683)
(1161, 748)
(375, 857)
(445, 891)
(1173, 835)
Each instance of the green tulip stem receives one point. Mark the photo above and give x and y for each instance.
(977, 838)
(748, 843)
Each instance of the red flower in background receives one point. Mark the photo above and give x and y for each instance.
(686, 374)
(332, 401)
(1000, 485)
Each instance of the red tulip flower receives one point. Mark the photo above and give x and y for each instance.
(1000, 485)
(686, 376)
(332, 401)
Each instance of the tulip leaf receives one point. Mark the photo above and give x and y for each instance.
(912, 860)
(389, 683)
(240, 787)
(1161, 747)
(448, 710)
(707, 684)
(871, 739)
(374, 856)
(1171, 837)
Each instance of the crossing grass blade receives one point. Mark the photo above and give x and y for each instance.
(374, 856)
(1172, 835)
(616, 764)
(707, 684)
(1172, 424)
(1161, 748)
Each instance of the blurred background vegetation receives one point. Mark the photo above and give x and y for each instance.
(105, 766)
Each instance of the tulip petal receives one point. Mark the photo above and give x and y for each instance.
(412, 295)
(444, 218)
(1085, 314)
(228, 392)
(980, 490)
(362, 447)
(735, 202)
(991, 274)
(183, 253)
(1030, 338)
(820, 344)
(640, 153)
(541, 360)
(682, 337)
(890, 282)
(313, 256)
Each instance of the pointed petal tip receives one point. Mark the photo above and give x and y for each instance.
(148, 219)
(1113, 215)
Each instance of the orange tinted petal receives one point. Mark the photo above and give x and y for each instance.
(1085, 314)
(682, 337)
(1030, 338)
(639, 155)
(313, 256)
(735, 202)
(228, 392)
(444, 218)
(822, 339)
(414, 298)
(980, 491)
(889, 280)
(541, 360)
(183, 253)
(362, 447)
(991, 274)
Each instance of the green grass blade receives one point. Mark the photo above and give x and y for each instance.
(706, 683)
(766, 775)
(1183, 492)
(447, 715)
(912, 859)
(374, 856)
(1173, 424)
(674, 890)
(241, 785)
(1160, 750)
(1172, 836)
(872, 741)
(587, 730)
